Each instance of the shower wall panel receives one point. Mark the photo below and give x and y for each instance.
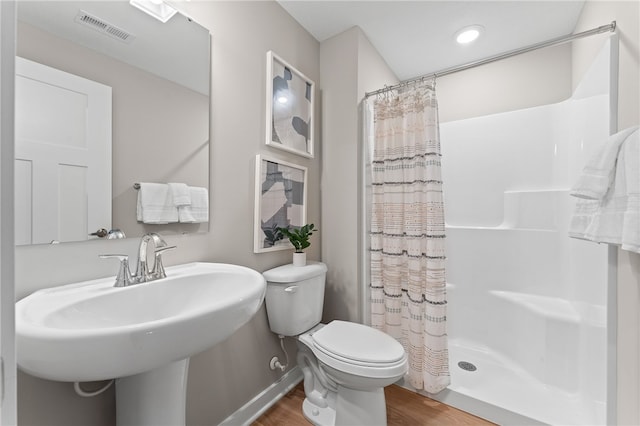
(519, 288)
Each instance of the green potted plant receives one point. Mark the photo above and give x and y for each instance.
(299, 238)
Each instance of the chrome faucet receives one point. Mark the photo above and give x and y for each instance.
(144, 273)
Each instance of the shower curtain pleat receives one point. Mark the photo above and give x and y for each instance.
(408, 287)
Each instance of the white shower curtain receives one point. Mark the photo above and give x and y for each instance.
(408, 293)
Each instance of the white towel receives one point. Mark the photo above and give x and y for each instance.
(611, 215)
(597, 176)
(198, 211)
(155, 204)
(180, 193)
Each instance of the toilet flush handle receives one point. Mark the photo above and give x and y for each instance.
(291, 289)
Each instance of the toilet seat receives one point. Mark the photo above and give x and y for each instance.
(358, 349)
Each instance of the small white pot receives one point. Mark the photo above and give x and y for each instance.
(299, 259)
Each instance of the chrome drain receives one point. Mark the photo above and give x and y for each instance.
(467, 366)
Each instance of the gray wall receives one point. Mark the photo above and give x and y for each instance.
(338, 71)
(224, 378)
(350, 66)
(536, 78)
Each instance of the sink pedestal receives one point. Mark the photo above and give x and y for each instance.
(153, 398)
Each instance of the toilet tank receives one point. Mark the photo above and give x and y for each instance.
(295, 297)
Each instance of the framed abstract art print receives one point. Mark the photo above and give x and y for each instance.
(281, 202)
(290, 99)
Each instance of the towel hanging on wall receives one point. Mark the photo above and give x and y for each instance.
(198, 210)
(180, 193)
(608, 192)
(155, 204)
(162, 203)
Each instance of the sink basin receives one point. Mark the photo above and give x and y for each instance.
(93, 331)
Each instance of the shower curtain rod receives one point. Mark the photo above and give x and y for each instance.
(553, 42)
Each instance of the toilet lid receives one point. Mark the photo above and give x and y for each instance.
(358, 342)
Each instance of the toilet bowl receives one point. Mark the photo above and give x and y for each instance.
(345, 365)
(355, 362)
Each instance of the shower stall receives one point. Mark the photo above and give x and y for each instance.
(531, 312)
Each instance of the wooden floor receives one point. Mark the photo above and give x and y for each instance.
(403, 408)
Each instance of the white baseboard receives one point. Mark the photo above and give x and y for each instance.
(253, 409)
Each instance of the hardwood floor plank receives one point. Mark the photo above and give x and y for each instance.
(286, 412)
(409, 408)
(403, 408)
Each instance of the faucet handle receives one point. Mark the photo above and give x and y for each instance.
(158, 268)
(159, 250)
(123, 278)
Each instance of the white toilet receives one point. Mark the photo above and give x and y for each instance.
(345, 365)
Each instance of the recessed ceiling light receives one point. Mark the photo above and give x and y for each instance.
(468, 34)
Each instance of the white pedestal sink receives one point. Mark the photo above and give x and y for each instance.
(143, 334)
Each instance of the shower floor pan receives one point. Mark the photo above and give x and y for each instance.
(503, 392)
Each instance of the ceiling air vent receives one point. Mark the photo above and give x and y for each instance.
(103, 27)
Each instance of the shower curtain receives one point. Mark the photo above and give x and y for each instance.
(408, 293)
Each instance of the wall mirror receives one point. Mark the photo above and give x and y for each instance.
(135, 87)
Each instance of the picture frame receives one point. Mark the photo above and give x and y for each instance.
(280, 202)
(290, 108)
